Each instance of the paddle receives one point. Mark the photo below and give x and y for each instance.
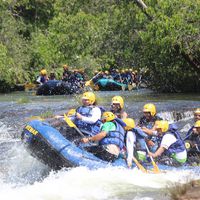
(123, 87)
(155, 167)
(87, 83)
(72, 125)
(139, 165)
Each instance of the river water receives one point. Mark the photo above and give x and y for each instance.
(23, 177)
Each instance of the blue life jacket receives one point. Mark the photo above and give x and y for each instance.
(89, 129)
(42, 79)
(115, 137)
(178, 146)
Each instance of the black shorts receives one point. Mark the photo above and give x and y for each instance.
(101, 152)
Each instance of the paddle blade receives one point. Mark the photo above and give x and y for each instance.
(123, 87)
(69, 121)
(139, 165)
(155, 167)
(71, 112)
(156, 170)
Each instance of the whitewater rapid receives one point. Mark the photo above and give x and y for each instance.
(23, 177)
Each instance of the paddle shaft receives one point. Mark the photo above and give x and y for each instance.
(156, 169)
(79, 131)
(139, 165)
(72, 125)
(94, 76)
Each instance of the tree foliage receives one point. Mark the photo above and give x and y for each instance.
(164, 38)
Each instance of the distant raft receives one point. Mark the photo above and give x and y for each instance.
(56, 87)
(105, 84)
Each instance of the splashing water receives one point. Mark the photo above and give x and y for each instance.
(81, 183)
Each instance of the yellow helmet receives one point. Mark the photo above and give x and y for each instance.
(90, 96)
(197, 124)
(43, 72)
(65, 66)
(118, 99)
(130, 70)
(149, 107)
(197, 111)
(130, 123)
(71, 112)
(163, 125)
(108, 116)
(106, 72)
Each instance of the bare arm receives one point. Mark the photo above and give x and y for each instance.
(95, 115)
(158, 152)
(95, 138)
(149, 131)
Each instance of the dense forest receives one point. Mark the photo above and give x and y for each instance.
(162, 37)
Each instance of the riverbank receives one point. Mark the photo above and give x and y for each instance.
(189, 191)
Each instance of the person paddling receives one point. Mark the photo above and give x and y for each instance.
(171, 150)
(193, 141)
(88, 116)
(130, 140)
(146, 127)
(196, 118)
(110, 138)
(43, 78)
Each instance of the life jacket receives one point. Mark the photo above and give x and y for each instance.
(194, 138)
(115, 137)
(89, 129)
(178, 146)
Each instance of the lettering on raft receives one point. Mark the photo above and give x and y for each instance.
(31, 130)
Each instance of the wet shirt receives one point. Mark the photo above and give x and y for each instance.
(167, 141)
(108, 126)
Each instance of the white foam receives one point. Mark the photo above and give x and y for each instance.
(81, 183)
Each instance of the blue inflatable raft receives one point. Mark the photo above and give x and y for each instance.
(58, 147)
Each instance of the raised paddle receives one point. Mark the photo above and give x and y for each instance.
(155, 167)
(72, 125)
(87, 83)
(123, 87)
(139, 165)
